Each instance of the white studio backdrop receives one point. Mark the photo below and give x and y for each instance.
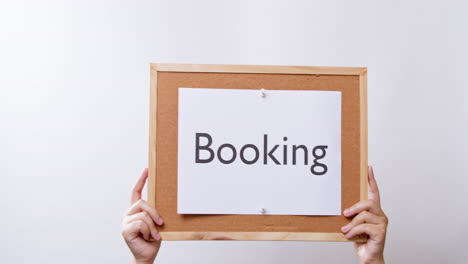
(74, 84)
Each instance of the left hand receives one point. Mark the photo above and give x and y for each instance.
(139, 226)
(370, 220)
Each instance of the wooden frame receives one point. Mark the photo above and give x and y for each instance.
(212, 68)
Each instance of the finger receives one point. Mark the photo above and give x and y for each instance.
(148, 221)
(136, 191)
(144, 229)
(375, 232)
(142, 205)
(366, 205)
(373, 192)
(130, 231)
(134, 229)
(364, 217)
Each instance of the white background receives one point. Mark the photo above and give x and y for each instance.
(74, 80)
(240, 117)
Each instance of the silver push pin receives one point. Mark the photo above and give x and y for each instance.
(263, 94)
(263, 211)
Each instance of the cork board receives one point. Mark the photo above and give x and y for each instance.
(162, 188)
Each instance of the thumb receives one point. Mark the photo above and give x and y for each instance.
(373, 191)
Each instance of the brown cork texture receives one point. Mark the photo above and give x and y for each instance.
(166, 150)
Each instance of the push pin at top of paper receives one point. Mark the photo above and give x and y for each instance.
(263, 211)
(263, 94)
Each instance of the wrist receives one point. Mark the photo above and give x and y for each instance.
(135, 261)
(377, 260)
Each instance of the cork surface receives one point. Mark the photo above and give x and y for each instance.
(165, 183)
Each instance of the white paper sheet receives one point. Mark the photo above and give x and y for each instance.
(240, 117)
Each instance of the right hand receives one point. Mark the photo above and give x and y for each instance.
(371, 220)
(139, 226)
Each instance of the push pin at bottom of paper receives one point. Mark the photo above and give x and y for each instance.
(263, 94)
(263, 211)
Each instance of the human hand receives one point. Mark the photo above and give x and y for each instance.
(139, 226)
(370, 220)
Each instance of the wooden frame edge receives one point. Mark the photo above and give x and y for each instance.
(260, 236)
(363, 133)
(152, 136)
(234, 68)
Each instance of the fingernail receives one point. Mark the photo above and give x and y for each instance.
(344, 228)
(160, 221)
(157, 236)
(347, 212)
(347, 235)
